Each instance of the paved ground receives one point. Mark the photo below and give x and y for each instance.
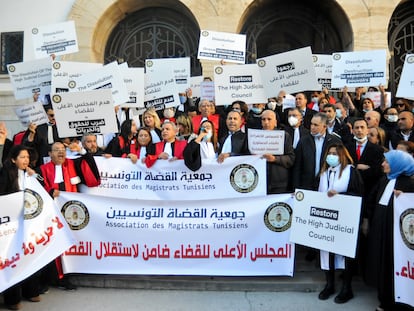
(103, 299)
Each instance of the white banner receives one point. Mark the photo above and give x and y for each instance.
(261, 142)
(226, 46)
(238, 82)
(134, 81)
(161, 90)
(406, 84)
(106, 77)
(84, 112)
(327, 223)
(64, 74)
(31, 113)
(32, 233)
(195, 85)
(242, 176)
(291, 71)
(248, 236)
(404, 248)
(362, 68)
(58, 39)
(323, 70)
(30, 77)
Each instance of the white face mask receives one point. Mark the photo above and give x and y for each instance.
(338, 113)
(360, 140)
(271, 105)
(293, 121)
(392, 118)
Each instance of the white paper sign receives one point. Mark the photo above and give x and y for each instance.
(63, 72)
(326, 223)
(160, 89)
(404, 248)
(238, 82)
(207, 90)
(195, 85)
(31, 113)
(262, 142)
(107, 77)
(376, 98)
(30, 77)
(181, 68)
(226, 46)
(84, 112)
(58, 39)
(291, 71)
(323, 70)
(406, 84)
(134, 81)
(362, 68)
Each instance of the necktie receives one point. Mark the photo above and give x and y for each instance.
(358, 151)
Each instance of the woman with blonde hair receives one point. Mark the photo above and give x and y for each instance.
(151, 119)
(185, 128)
(377, 136)
(338, 176)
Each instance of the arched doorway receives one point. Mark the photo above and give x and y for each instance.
(400, 40)
(275, 26)
(154, 32)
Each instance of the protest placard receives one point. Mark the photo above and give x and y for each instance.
(31, 113)
(262, 142)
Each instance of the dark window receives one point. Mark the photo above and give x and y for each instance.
(154, 33)
(11, 49)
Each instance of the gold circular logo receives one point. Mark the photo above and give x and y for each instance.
(410, 59)
(299, 195)
(33, 204)
(278, 217)
(218, 70)
(261, 63)
(35, 31)
(407, 227)
(56, 99)
(76, 214)
(315, 58)
(244, 178)
(149, 63)
(205, 33)
(337, 56)
(56, 65)
(72, 84)
(12, 68)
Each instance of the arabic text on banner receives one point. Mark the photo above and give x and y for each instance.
(246, 236)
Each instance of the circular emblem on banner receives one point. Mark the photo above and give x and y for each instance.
(56, 65)
(149, 63)
(407, 227)
(337, 56)
(205, 33)
(35, 31)
(12, 68)
(261, 63)
(299, 195)
(56, 99)
(218, 70)
(244, 178)
(76, 214)
(33, 204)
(315, 58)
(72, 84)
(278, 217)
(410, 59)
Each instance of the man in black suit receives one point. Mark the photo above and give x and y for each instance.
(405, 129)
(41, 137)
(235, 142)
(310, 153)
(301, 102)
(295, 128)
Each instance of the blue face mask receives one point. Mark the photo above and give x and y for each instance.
(257, 110)
(332, 160)
(208, 136)
(338, 113)
(183, 99)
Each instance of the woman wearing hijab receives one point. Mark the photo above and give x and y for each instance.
(399, 169)
(338, 176)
